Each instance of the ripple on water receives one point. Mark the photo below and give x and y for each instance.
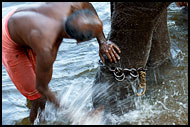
(166, 101)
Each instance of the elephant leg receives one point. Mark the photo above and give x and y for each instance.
(160, 49)
(112, 94)
(132, 30)
(160, 55)
(111, 7)
(132, 26)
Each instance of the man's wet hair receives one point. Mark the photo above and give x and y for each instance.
(73, 31)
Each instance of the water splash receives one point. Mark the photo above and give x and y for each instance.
(75, 109)
(172, 93)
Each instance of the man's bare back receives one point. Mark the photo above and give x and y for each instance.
(35, 20)
(42, 28)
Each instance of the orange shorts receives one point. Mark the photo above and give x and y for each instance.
(19, 63)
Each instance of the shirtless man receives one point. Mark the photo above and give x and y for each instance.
(31, 37)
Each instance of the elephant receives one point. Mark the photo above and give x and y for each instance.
(140, 30)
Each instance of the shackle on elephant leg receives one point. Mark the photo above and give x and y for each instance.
(142, 87)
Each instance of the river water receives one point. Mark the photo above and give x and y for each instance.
(165, 103)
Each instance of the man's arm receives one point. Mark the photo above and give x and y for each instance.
(44, 69)
(45, 57)
(105, 46)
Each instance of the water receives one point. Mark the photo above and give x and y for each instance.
(166, 100)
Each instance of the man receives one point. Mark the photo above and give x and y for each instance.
(31, 37)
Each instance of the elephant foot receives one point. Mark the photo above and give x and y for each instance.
(116, 88)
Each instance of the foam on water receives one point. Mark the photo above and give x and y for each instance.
(76, 107)
(74, 72)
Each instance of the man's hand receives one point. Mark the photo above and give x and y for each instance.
(51, 97)
(111, 50)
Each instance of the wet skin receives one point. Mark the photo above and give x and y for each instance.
(44, 30)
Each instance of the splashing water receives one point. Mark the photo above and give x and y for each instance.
(165, 101)
(73, 110)
(78, 109)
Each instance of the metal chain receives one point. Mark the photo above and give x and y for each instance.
(121, 74)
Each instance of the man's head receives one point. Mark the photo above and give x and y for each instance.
(83, 25)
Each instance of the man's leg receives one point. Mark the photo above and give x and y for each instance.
(21, 71)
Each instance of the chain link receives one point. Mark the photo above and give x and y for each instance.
(121, 74)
